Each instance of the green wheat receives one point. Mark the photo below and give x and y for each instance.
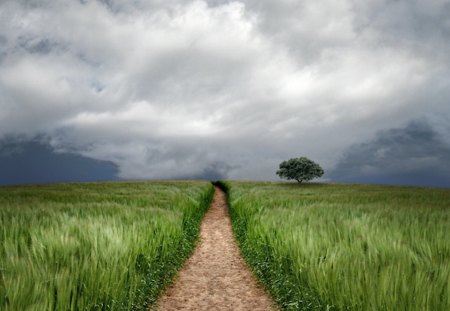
(346, 247)
(95, 246)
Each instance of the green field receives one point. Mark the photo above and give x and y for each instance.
(346, 247)
(95, 246)
(114, 246)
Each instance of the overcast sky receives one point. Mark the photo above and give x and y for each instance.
(229, 89)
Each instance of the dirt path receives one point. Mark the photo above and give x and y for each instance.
(216, 277)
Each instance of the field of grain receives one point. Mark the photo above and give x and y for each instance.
(95, 246)
(346, 247)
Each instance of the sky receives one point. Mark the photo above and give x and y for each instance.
(215, 89)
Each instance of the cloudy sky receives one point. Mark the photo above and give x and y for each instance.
(156, 89)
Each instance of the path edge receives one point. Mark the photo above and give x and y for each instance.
(226, 188)
(205, 202)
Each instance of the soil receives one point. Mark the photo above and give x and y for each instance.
(216, 276)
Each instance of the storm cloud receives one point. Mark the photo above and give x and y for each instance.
(34, 161)
(214, 88)
(413, 155)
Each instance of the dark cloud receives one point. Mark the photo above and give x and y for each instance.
(24, 161)
(36, 45)
(214, 171)
(414, 155)
(425, 24)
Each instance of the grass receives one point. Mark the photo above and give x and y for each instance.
(346, 247)
(95, 246)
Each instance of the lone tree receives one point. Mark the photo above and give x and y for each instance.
(300, 169)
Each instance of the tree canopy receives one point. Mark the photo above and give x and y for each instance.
(300, 169)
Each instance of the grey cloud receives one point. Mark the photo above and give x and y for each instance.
(413, 155)
(36, 45)
(3, 51)
(190, 159)
(3, 40)
(217, 2)
(313, 30)
(168, 88)
(422, 22)
(33, 160)
(306, 29)
(214, 171)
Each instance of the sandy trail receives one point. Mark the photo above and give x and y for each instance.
(215, 277)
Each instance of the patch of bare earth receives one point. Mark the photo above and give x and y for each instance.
(216, 277)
